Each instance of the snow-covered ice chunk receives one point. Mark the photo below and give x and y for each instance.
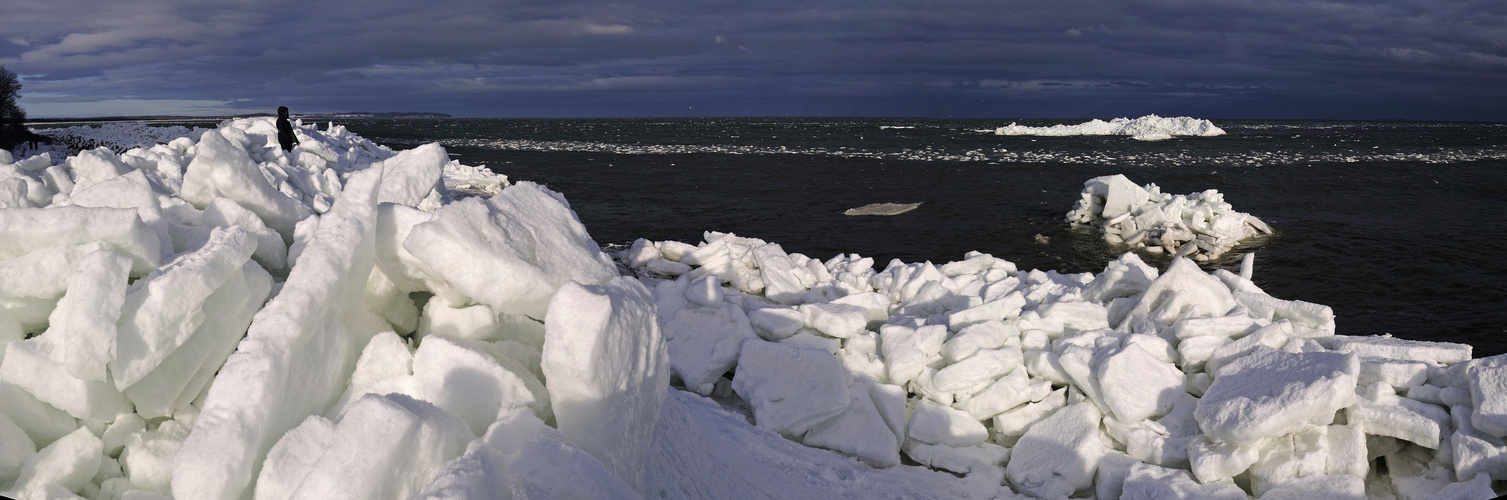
(876, 304)
(16, 448)
(93, 166)
(291, 459)
(163, 312)
(836, 320)
(1476, 488)
(271, 249)
(472, 385)
(1395, 421)
(394, 224)
(30, 364)
(43, 273)
(981, 336)
(1122, 277)
(1137, 386)
(1015, 422)
(69, 463)
(411, 175)
(1003, 308)
(1270, 393)
(776, 323)
(83, 325)
(790, 388)
(1398, 373)
(1003, 394)
(519, 455)
(1331, 487)
(297, 356)
(961, 460)
(1307, 314)
(473, 322)
(706, 292)
(510, 252)
(221, 168)
(908, 350)
(1213, 461)
(1183, 291)
(385, 447)
(148, 456)
(385, 367)
(667, 268)
(780, 282)
(1229, 327)
(1059, 454)
(1386, 346)
(1488, 397)
(607, 371)
(1150, 482)
(936, 424)
(704, 343)
(27, 229)
(978, 370)
(42, 422)
(184, 374)
(860, 431)
(130, 191)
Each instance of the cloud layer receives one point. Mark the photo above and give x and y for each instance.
(1067, 58)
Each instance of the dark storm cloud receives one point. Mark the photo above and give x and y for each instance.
(1253, 58)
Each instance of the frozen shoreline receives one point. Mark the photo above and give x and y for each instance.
(455, 321)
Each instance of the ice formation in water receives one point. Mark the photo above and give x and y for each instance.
(1200, 226)
(1145, 128)
(215, 318)
(882, 209)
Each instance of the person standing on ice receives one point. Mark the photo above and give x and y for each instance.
(285, 129)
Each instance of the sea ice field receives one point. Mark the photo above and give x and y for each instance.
(207, 316)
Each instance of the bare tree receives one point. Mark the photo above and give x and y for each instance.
(12, 117)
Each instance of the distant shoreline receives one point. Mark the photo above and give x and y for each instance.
(358, 115)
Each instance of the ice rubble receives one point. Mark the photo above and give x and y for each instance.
(1141, 382)
(215, 318)
(1145, 128)
(1201, 226)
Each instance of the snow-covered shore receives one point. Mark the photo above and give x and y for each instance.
(215, 318)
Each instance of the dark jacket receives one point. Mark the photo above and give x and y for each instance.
(285, 135)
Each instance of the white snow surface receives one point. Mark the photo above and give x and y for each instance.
(1146, 128)
(211, 317)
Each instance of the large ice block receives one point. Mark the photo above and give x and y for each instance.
(790, 388)
(607, 371)
(1059, 454)
(510, 252)
(1270, 393)
(23, 230)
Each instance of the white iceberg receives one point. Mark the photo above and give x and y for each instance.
(1146, 128)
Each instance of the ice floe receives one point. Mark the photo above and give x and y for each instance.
(882, 209)
(212, 317)
(1145, 128)
(1201, 226)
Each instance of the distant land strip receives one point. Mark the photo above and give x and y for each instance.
(344, 115)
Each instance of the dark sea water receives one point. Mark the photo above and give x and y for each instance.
(1401, 227)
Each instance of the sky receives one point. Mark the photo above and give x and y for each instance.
(1367, 59)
